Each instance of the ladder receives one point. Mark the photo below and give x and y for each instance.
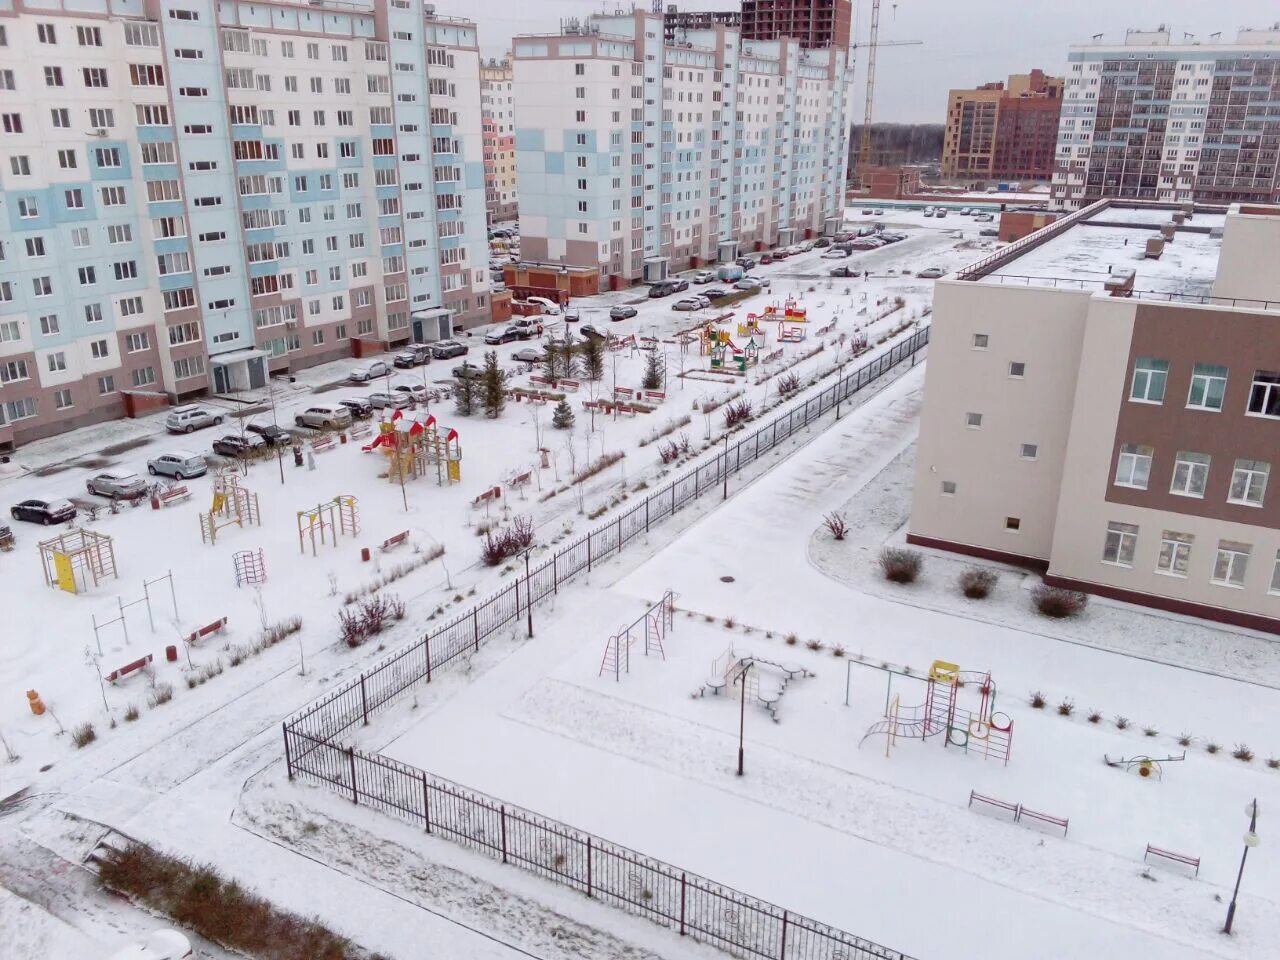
(940, 708)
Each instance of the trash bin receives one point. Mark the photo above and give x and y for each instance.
(171, 653)
(297, 454)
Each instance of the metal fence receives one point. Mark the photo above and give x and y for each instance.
(707, 911)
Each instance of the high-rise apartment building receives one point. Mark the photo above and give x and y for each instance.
(675, 21)
(815, 23)
(1102, 404)
(195, 195)
(497, 104)
(1003, 131)
(638, 156)
(1152, 120)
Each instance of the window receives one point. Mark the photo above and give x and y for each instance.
(1029, 451)
(1249, 482)
(141, 35)
(188, 367)
(136, 342)
(1264, 395)
(42, 287)
(1175, 553)
(20, 409)
(20, 165)
(7, 327)
(57, 362)
(125, 270)
(93, 313)
(89, 36)
(152, 114)
(1149, 377)
(35, 246)
(1134, 466)
(53, 76)
(143, 377)
(1190, 474)
(62, 399)
(12, 122)
(130, 306)
(45, 34)
(106, 385)
(973, 420)
(27, 208)
(113, 196)
(1208, 384)
(948, 488)
(980, 341)
(1012, 524)
(1231, 563)
(74, 199)
(48, 325)
(110, 156)
(99, 349)
(88, 276)
(102, 117)
(146, 75)
(94, 77)
(13, 370)
(1122, 540)
(1017, 369)
(119, 233)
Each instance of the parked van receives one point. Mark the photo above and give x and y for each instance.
(326, 415)
(549, 307)
(729, 272)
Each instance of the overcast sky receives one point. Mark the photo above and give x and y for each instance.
(966, 42)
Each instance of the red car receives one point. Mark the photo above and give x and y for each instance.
(767, 258)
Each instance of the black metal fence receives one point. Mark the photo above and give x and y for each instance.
(700, 908)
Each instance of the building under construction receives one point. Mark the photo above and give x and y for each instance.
(815, 23)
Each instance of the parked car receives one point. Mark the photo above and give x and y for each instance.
(843, 271)
(44, 511)
(234, 445)
(587, 330)
(766, 259)
(691, 303)
(868, 212)
(190, 417)
(663, 288)
(622, 313)
(931, 273)
(746, 263)
(528, 327)
(572, 315)
(879, 213)
(179, 464)
(160, 945)
(414, 355)
(359, 407)
(965, 211)
(369, 371)
(448, 349)
(835, 253)
(396, 400)
(984, 218)
(989, 232)
(274, 435)
(505, 335)
(549, 307)
(467, 369)
(530, 355)
(117, 486)
(415, 391)
(6, 535)
(821, 242)
(328, 416)
(704, 276)
(752, 283)
(941, 213)
(928, 211)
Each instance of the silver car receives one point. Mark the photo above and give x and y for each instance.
(179, 464)
(396, 400)
(117, 486)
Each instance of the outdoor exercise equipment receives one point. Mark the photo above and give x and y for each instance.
(341, 515)
(732, 667)
(654, 624)
(76, 560)
(250, 566)
(1149, 768)
(232, 504)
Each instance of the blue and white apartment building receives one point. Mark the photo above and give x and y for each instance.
(195, 195)
(641, 156)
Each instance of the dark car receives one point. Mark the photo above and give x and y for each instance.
(587, 330)
(448, 349)
(468, 370)
(663, 288)
(274, 435)
(44, 511)
(623, 313)
(361, 409)
(680, 285)
(821, 242)
(414, 355)
(715, 293)
(844, 271)
(234, 445)
(505, 335)
(746, 263)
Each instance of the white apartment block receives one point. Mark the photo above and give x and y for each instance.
(497, 101)
(194, 195)
(640, 157)
(1152, 120)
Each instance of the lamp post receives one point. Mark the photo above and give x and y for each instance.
(528, 593)
(742, 711)
(726, 466)
(1251, 839)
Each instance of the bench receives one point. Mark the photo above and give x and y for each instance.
(399, 538)
(521, 479)
(173, 495)
(128, 669)
(322, 444)
(653, 395)
(361, 431)
(493, 493)
(1005, 805)
(542, 381)
(619, 392)
(208, 630)
(570, 385)
(1170, 855)
(592, 404)
(1043, 818)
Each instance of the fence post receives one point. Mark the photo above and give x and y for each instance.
(683, 888)
(426, 802)
(475, 627)
(516, 586)
(673, 498)
(355, 791)
(288, 755)
(782, 950)
(555, 573)
(426, 645)
(589, 865)
(646, 514)
(364, 701)
(502, 813)
(588, 551)
(619, 533)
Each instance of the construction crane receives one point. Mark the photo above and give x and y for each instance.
(872, 44)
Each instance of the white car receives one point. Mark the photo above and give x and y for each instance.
(691, 303)
(752, 283)
(704, 276)
(160, 945)
(414, 391)
(396, 400)
(369, 371)
(190, 417)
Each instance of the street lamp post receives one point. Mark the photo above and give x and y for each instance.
(1251, 839)
(742, 712)
(528, 593)
(726, 466)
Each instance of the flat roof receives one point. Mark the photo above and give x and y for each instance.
(1083, 255)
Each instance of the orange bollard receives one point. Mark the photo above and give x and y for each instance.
(35, 703)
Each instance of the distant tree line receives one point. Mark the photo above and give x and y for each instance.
(894, 143)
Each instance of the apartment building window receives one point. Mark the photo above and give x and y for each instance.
(99, 349)
(14, 370)
(49, 325)
(130, 306)
(57, 362)
(88, 276)
(119, 233)
(980, 341)
(143, 377)
(74, 199)
(20, 165)
(580, 116)
(42, 287)
(8, 326)
(45, 33)
(1264, 395)
(1121, 542)
(20, 409)
(1149, 378)
(1249, 482)
(93, 313)
(27, 208)
(1029, 451)
(1175, 553)
(1190, 474)
(125, 270)
(35, 246)
(1017, 369)
(973, 420)
(1012, 524)
(188, 367)
(137, 342)
(1134, 466)
(948, 488)
(53, 76)
(1231, 563)
(11, 122)
(115, 196)
(1208, 386)
(151, 114)
(62, 399)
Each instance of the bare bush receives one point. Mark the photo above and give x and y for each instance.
(788, 384)
(737, 412)
(900, 565)
(601, 464)
(1056, 602)
(351, 628)
(161, 693)
(976, 583)
(83, 735)
(668, 452)
(836, 525)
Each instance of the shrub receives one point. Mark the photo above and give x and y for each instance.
(791, 640)
(351, 628)
(1241, 752)
(395, 607)
(131, 712)
(1122, 723)
(837, 651)
(814, 645)
(1212, 747)
(976, 583)
(1150, 732)
(729, 623)
(900, 565)
(1066, 708)
(788, 384)
(1056, 602)
(1037, 700)
(1094, 716)
(668, 452)
(1184, 739)
(83, 735)
(737, 412)
(601, 464)
(1273, 763)
(836, 525)
(160, 693)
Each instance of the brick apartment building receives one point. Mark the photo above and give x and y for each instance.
(1103, 404)
(1152, 120)
(1002, 131)
(815, 23)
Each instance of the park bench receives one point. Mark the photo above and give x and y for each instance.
(128, 669)
(570, 385)
(654, 395)
(1182, 858)
(322, 444)
(493, 493)
(173, 495)
(208, 630)
(541, 381)
(399, 538)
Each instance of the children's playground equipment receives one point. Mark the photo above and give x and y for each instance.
(791, 312)
(232, 503)
(987, 730)
(414, 444)
(1149, 768)
(733, 669)
(341, 515)
(724, 351)
(790, 334)
(77, 560)
(651, 626)
(752, 328)
(251, 566)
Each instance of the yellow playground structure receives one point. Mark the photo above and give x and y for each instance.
(414, 444)
(77, 560)
(790, 312)
(232, 504)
